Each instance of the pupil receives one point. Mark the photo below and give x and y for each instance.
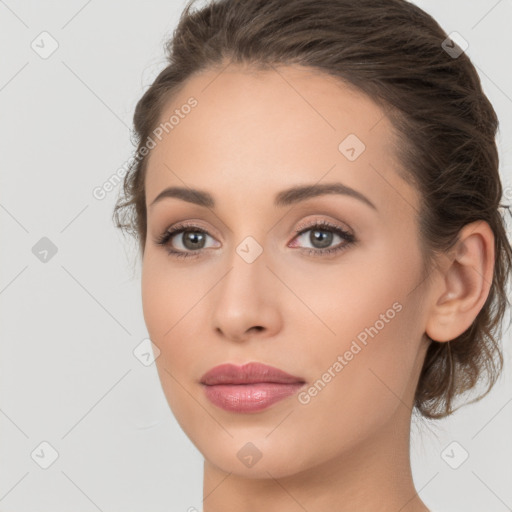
(325, 241)
(193, 238)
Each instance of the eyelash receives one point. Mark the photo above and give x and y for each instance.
(319, 226)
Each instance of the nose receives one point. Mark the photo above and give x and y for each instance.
(246, 301)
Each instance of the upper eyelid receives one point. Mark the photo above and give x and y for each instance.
(185, 225)
(326, 224)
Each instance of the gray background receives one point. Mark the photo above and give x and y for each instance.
(69, 325)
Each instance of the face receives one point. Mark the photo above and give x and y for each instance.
(326, 287)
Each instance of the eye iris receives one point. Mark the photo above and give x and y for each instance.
(324, 237)
(193, 237)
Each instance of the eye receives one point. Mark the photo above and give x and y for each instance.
(192, 240)
(321, 236)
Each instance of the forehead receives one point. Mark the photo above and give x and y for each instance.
(259, 130)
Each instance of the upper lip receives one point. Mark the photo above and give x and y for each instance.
(247, 374)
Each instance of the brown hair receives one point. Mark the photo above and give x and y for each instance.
(395, 53)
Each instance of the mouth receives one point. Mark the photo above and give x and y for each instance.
(252, 387)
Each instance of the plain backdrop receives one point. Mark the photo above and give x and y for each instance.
(70, 306)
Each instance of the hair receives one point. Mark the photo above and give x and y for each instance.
(394, 52)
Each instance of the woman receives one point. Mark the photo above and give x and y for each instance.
(316, 195)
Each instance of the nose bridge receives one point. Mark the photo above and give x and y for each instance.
(249, 236)
(248, 249)
(247, 261)
(248, 286)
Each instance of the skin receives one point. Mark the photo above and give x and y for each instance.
(253, 134)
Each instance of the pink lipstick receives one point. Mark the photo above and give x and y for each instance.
(248, 388)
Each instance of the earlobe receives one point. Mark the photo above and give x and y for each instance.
(464, 283)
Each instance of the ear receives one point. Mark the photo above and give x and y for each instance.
(464, 283)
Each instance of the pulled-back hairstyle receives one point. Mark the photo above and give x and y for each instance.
(399, 56)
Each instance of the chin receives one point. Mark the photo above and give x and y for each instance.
(252, 456)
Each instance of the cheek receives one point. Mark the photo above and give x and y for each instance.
(167, 294)
(364, 290)
(375, 326)
(171, 303)
(156, 303)
(361, 378)
(168, 297)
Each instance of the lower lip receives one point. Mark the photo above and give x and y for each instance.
(249, 397)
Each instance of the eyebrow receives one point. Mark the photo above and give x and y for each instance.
(286, 197)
